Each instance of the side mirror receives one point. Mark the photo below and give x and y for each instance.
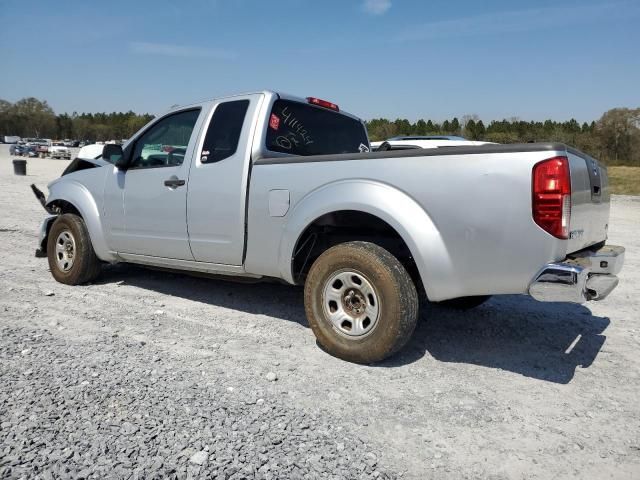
(113, 153)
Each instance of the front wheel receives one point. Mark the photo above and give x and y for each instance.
(70, 253)
(360, 302)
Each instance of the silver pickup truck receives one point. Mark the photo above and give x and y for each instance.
(271, 186)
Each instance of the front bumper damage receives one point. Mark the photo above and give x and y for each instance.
(45, 226)
(587, 275)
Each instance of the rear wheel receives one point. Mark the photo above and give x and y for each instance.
(70, 253)
(360, 302)
(465, 303)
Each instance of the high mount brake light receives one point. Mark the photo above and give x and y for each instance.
(551, 196)
(323, 103)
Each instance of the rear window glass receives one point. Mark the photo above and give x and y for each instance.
(301, 129)
(224, 131)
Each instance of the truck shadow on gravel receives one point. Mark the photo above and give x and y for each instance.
(260, 298)
(545, 341)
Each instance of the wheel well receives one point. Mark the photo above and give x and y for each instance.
(346, 226)
(62, 206)
(58, 207)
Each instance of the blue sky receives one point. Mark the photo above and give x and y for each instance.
(375, 58)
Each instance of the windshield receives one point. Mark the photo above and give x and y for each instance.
(301, 129)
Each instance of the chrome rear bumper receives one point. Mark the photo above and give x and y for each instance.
(583, 276)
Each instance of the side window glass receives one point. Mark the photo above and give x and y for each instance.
(165, 143)
(224, 131)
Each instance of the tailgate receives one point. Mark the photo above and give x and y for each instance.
(590, 201)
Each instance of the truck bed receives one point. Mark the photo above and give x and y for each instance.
(473, 202)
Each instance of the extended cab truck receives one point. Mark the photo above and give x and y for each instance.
(267, 185)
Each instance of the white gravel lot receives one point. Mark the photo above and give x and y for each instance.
(512, 389)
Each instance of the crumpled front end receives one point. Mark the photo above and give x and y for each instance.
(43, 234)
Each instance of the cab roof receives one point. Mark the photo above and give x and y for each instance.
(269, 94)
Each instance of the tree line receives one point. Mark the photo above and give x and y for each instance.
(614, 138)
(34, 118)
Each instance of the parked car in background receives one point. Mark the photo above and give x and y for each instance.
(407, 142)
(30, 151)
(16, 149)
(42, 150)
(59, 150)
(91, 152)
(11, 139)
(41, 141)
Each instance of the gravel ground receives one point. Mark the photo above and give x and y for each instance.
(146, 374)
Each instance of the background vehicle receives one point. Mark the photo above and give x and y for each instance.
(408, 142)
(59, 150)
(268, 185)
(42, 150)
(29, 151)
(10, 139)
(91, 152)
(16, 149)
(41, 146)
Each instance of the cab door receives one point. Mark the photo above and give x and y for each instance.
(145, 205)
(218, 181)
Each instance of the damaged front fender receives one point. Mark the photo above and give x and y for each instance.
(45, 226)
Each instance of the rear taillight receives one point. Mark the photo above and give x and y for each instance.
(551, 189)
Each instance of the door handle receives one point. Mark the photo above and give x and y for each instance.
(174, 182)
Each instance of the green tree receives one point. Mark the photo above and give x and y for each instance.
(420, 128)
(470, 130)
(6, 126)
(403, 126)
(455, 126)
(619, 133)
(33, 117)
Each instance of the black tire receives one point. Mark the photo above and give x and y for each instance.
(84, 265)
(465, 303)
(396, 302)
